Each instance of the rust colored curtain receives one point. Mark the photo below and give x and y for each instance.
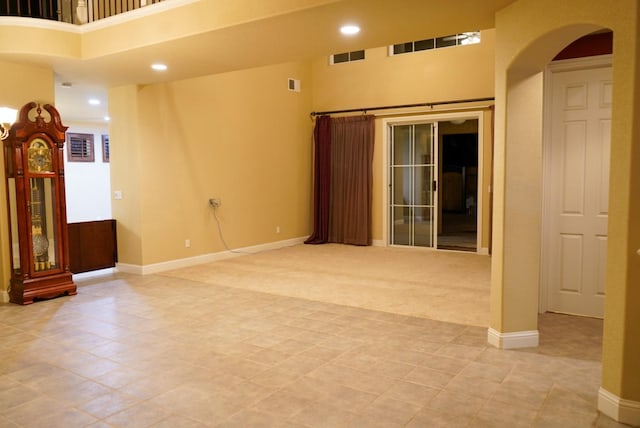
(321, 183)
(350, 178)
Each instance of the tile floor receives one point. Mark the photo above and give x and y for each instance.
(154, 351)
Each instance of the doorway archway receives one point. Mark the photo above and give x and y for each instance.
(530, 33)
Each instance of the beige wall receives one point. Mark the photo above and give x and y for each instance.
(20, 84)
(38, 41)
(434, 75)
(127, 163)
(242, 137)
(428, 76)
(531, 33)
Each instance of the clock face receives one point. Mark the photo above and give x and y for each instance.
(39, 156)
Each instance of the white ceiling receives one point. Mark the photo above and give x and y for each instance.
(307, 33)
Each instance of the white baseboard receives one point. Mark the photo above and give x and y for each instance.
(619, 409)
(129, 268)
(204, 258)
(514, 340)
(4, 296)
(93, 274)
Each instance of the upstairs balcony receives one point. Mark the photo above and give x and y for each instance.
(71, 11)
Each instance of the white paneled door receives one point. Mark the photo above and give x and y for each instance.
(575, 245)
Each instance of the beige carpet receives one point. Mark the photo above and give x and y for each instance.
(439, 285)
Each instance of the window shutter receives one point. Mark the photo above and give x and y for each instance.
(80, 147)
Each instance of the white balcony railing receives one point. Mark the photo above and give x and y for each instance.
(83, 11)
(72, 11)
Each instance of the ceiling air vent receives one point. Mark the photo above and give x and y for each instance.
(293, 84)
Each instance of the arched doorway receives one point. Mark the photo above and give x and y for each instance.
(530, 34)
(518, 199)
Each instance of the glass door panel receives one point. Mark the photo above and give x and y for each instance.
(43, 224)
(402, 185)
(400, 229)
(423, 184)
(412, 187)
(423, 234)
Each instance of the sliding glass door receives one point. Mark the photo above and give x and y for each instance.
(413, 185)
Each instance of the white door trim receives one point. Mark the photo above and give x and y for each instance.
(437, 117)
(555, 67)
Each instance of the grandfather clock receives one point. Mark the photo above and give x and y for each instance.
(34, 169)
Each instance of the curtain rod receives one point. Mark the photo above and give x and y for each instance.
(366, 109)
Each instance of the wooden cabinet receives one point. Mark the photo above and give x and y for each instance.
(92, 245)
(34, 170)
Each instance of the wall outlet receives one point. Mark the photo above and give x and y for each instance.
(277, 229)
(187, 243)
(215, 202)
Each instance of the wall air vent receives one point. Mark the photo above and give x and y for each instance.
(293, 84)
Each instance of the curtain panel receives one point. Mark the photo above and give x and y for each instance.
(321, 180)
(343, 180)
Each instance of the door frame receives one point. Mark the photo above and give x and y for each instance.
(561, 66)
(434, 117)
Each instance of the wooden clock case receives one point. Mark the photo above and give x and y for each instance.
(34, 171)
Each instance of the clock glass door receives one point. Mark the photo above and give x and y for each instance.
(43, 224)
(13, 224)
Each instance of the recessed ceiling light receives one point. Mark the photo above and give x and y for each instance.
(159, 67)
(94, 101)
(349, 30)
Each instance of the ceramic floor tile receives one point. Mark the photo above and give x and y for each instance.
(255, 419)
(247, 393)
(391, 410)
(282, 404)
(15, 396)
(489, 372)
(33, 373)
(481, 388)
(520, 394)
(29, 413)
(445, 364)
(428, 377)
(565, 419)
(276, 377)
(411, 392)
(460, 351)
(174, 421)
(348, 398)
(139, 415)
(136, 350)
(6, 383)
(324, 415)
(301, 364)
(439, 419)
(77, 394)
(370, 421)
(392, 369)
(108, 404)
(65, 418)
(456, 403)
(498, 414)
